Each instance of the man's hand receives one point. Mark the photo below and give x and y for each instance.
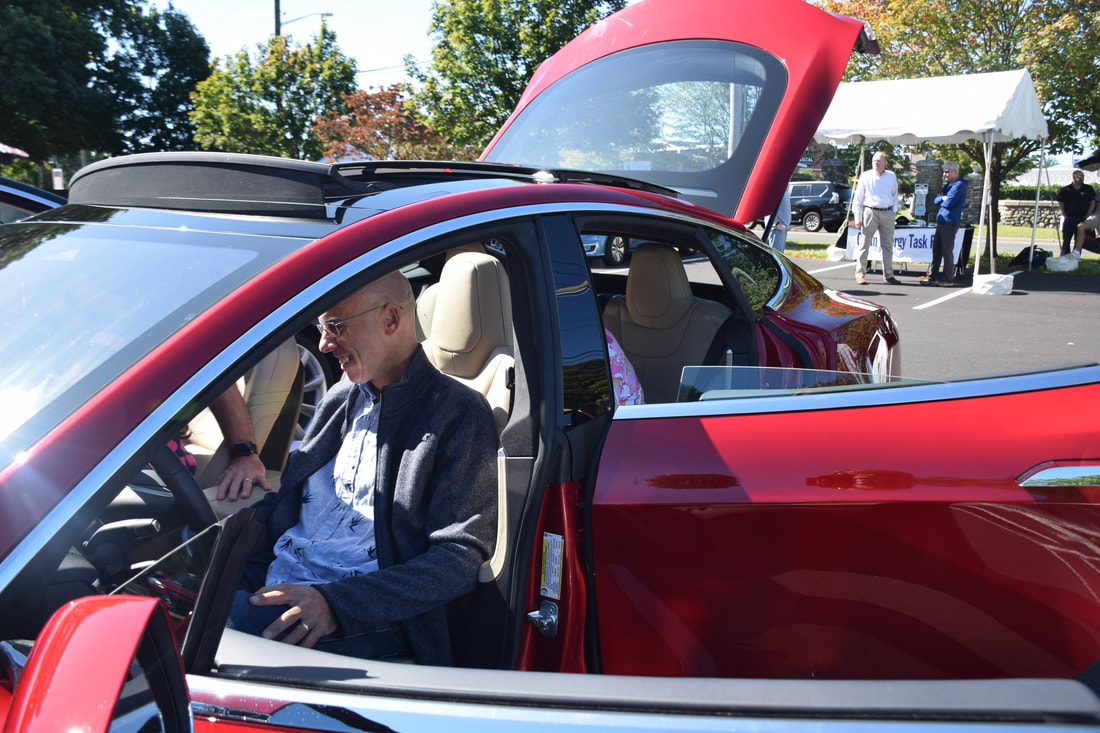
(306, 607)
(241, 476)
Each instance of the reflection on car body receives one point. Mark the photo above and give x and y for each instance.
(20, 200)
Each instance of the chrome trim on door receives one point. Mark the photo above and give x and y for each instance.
(1061, 475)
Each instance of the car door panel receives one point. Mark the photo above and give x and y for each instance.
(888, 540)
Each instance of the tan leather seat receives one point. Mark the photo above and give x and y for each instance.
(660, 325)
(425, 304)
(265, 388)
(471, 329)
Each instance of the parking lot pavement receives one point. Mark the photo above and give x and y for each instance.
(948, 333)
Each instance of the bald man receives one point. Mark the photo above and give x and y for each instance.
(388, 508)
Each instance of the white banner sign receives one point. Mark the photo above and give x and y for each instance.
(911, 244)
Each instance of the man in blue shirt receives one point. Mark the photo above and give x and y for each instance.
(950, 199)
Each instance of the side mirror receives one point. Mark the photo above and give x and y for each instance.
(102, 663)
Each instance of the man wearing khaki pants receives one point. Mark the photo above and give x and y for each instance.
(876, 205)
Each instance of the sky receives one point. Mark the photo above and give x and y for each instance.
(376, 33)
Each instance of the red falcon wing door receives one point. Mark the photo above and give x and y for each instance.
(778, 528)
(717, 99)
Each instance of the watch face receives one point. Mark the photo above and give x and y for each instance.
(243, 449)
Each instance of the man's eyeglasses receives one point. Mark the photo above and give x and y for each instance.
(332, 328)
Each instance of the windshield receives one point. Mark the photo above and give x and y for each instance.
(83, 304)
(702, 383)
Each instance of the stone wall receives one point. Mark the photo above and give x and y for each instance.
(1020, 213)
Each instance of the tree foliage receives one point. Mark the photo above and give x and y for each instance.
(103, 75)
(380, 125)
(161, 61)
(266, 104)
(1056, 41)
(486, 51)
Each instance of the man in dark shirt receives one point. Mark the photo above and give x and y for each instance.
(1076, 202)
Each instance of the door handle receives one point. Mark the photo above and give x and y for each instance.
(1061, 474)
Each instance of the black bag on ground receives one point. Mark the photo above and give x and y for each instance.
(1038, 259)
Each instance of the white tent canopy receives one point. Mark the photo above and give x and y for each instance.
(995, 107)
(938, 109)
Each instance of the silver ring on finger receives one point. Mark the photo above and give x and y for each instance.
(305, 627)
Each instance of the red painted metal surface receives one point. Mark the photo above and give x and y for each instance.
(840, 332)
(812, 44)
(563, 652)
(888, 542)
(56, 691)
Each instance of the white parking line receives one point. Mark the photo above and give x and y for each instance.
(949, 296)
(944, 299)
(834, 267)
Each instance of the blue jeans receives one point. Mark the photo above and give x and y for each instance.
(383, 642)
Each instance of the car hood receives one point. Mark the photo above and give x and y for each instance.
(716, 99)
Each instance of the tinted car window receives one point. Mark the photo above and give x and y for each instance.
(799, 190)
(755, 270)
(648, 109)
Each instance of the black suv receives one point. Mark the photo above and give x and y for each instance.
(815, 204)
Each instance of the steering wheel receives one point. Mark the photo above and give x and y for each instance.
(192, 503)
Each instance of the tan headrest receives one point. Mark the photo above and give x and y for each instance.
(657, 290)
(473, 315)
(425, 304)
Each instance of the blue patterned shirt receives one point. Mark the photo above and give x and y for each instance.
(334, 536)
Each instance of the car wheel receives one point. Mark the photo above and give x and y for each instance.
(615, 250)
(318, 374)
(812, 221)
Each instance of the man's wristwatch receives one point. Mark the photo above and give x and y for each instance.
(239, 450)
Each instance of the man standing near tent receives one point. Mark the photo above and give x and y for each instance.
(876, 205)
(950, 199)
(1075, 201)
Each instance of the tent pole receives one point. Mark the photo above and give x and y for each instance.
(981, 216)
(1035, 214)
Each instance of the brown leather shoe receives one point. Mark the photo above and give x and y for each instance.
(892, 281)
(861, 280)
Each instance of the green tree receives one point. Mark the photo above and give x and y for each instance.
(161, 61)
(1056, 41)
(98, 76)
(485, 53)
(267, 104)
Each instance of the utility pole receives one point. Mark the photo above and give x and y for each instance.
(278, 28)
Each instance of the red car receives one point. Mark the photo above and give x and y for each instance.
(751, 542)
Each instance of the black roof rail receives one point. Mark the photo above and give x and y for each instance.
(238, 183)
(376, 170)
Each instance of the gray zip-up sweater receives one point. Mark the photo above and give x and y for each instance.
(434, 506)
